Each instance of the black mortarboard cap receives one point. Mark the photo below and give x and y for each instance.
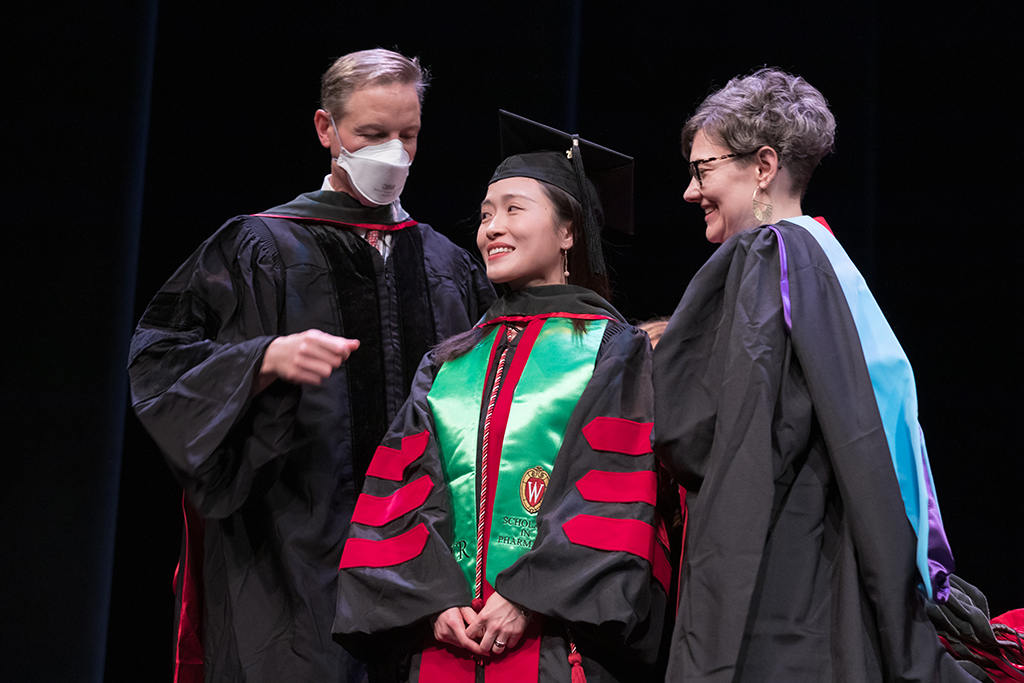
(533, 150)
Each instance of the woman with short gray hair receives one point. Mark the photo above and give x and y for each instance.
(788, 410)
(772, 108)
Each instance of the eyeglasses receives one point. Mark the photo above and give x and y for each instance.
(695, 164)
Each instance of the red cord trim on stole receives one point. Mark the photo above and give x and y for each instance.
(365, 226)
(499, 420)
(618, 487)
(390, 464)
(378, 511)
(620, 535)
(482, 502)
(544, 316)
(361, 552)
(479, 583)
(188, 646)
(619, 435)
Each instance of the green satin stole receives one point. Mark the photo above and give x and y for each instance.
(559, 366)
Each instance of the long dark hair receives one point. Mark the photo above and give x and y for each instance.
(453, 347)
(568, 210)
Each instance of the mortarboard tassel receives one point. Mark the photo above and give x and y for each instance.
(591, 229)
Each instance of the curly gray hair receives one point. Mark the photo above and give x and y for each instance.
(368, 67)
(768, 107)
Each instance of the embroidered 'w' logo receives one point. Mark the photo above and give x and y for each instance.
(535, 491)
(532, 487)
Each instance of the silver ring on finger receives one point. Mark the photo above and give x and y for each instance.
(498, 643)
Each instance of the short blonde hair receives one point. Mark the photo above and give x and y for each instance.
(368, 67)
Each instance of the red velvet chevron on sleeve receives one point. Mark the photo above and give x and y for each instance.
(390, 464)
(378, 511)
(623, 535)
(361, 552)
(619, 435)
(619, 487)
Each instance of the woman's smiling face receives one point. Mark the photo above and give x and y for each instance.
(724, 191)
(520, 236)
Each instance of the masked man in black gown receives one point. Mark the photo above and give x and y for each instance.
(268, 368)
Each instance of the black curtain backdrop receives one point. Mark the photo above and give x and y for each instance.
(920, 192)
(75, 104)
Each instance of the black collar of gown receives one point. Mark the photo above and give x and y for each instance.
(547, 299)
(340, 209)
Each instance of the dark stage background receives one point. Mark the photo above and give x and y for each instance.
(133, 130)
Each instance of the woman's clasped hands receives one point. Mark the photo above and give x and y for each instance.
(495, 629)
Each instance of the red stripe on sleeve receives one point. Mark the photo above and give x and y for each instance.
(390, 464)
(618, 487)
(377, 511)
(502, 407)
(619, 435)
(622, 535)
(361, 552)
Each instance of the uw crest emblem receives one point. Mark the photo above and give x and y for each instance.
(532, 487)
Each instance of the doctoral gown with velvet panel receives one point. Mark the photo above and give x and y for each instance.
(596, 570)
(271, 480)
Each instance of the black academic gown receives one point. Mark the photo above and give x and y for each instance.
(271, 480)
(611, 602)
(799, 559)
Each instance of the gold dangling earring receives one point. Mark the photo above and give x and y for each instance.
(565, 265)
(762, 210)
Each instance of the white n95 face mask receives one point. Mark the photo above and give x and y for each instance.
(377, 172)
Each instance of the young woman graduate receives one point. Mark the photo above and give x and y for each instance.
(507, 531)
